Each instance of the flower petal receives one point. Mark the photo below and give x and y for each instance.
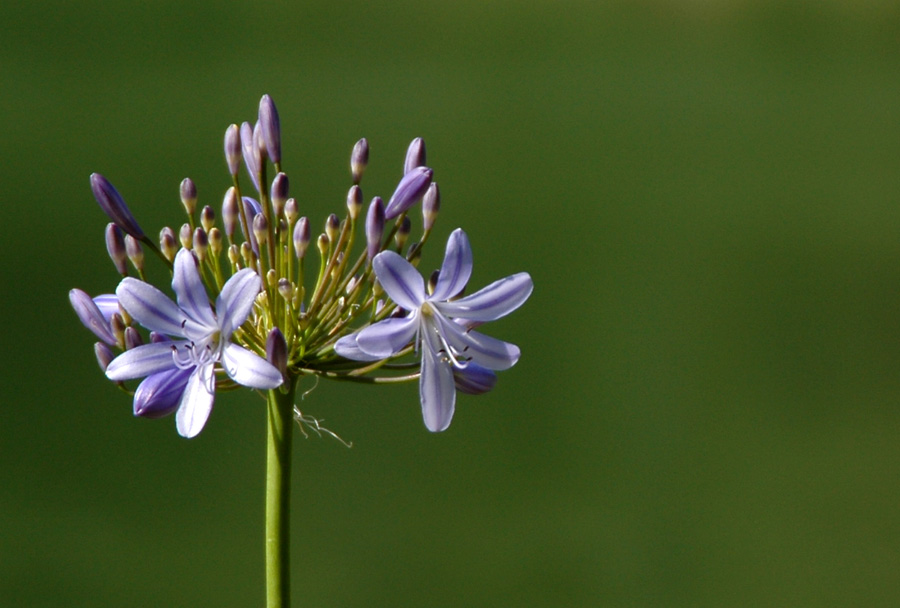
(457, 267)
(409, 191)
(159, 394)
(474, 379)
(142, 361)
(236, 300)
(150, 307)
(189, 289)
(387, 337)
(349, 349)
(108, 304)
(436, 387)
(91, 316)
(494, 301)
(484, 350)
(400, 279)
(249, 369)
(196, 402)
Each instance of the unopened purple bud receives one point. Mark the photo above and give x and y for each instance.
(354, 201)
(403, 233)
(133, 338)
(167, 243)
(230, 212)
(188, 195)
(474, 379)
(279, 193)
(114, 206)
(104, 355)
(291, 210)
(285, 289)
(301, 237)
(160, 393)
(332, 225)
(135, 252)
(201, 243)
(276, 351)
(233, 149)
(271, 127)
(260, 228)
(374, 227)
(408, 192)
(215, 241)
(90, 316)
(207, 218)
(115, 246)
(431, 204)
(186, 236)
(415, 155)
(359, 159)
(251, 153)
(260, 142)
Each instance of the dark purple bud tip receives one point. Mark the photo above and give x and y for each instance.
(359, 159)
(301, 236)
(431, 204)
(188, 192)
(115, 246)
(374, 227)
(409, 191)
(114, 206)
(233, 149)
(270, 126)
(279, 193)
(415, 155)
(354, 201)
(276, 351)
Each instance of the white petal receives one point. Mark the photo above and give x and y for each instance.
(141, 361)
(236, 300)
(150, 307)
(196, 403)
(400, 279)
(437, 390)
(388, 337)
(484, 350)
(494, 301)
(189, 290)
(249, 369)
(456, 269)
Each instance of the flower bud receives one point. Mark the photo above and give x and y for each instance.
(431, 204)
(104, 355)
(270, 126)
(276, 351)
(207, 218)
(260, 229)
(167, 243)
(189, 195)
(132, 338)
(260, 142)
(474, 379)
(117, 325)
(415, 155)
(135, 252)
(332, 225)
(402, 233)
(114, 206)
(409, 191)
(160, 394)
(186, 236)
(233, 149)
(201, 243)
(234, 254)
(251, 153)
(230, 212)
(271, 278)
(359, 159)
(215, 241)
(432, 281)
(285, 289)
(291, 210)
(301, 237)
(115, 246)
(90, 316)
(374, 227)
(322, 244)
(354, 201)
(279, 193)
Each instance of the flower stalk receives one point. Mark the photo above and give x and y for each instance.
(280, 404)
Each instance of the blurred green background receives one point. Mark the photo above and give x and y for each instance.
(707, 410)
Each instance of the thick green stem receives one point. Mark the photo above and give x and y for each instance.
(278, 496)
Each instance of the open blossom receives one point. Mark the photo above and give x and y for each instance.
(444, 344)
(202, 338)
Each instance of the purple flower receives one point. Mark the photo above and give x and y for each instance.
(444, 344)
(203, 339)
(114, 205)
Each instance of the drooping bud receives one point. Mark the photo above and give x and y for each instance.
(104, 355)
(415, 155)
(291, 210)
(260, 229)
(230, 212)
(359, 159)
(251, 153)
(114, 206)
(270, 126)
(276, 351)
(374, 227)
(207, 218)
(215, 241)
(132, 338)
(167, 243)
(115, 246)
(279, 193)
(403, 233)
(201, 243)
(431, 204)
(332, 225)
(233, 149)
(90, 316)
(354, 201)
(301, 237)
(408, 192)
(135, 252)
(189, 195)
(186, 236)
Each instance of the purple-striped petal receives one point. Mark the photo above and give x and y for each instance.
(150, 307)
(251, 208)
(484, 350)
(159, 394)
(456, 269)
(108, 304)
(400, 279)
(196, 402)
(348, 348)
(474, 379)
(142, 361)
(190, 291)
(437, 390)
(388, 337)
(409, 191)
(494, 301)
(250, 152)
(91, 316)
(249, 369)
(236, 300)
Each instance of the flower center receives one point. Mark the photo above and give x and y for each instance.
(197, 353)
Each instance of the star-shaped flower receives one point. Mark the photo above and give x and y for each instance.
(444, 344)
(202, 338)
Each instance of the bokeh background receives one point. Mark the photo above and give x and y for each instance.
(707, 410)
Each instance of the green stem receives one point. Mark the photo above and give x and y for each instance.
(278, 496)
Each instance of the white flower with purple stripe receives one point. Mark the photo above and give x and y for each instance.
(202, 338)
(444, 344)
